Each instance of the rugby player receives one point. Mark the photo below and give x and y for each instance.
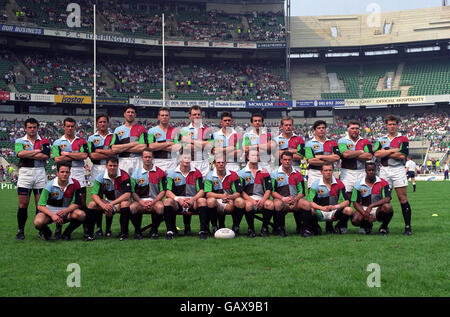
(110, 194)
(223, 193)
(198, 138)
(164, 142)
(185, 193)
(288, 194)
(33, 153)
(128, 141)
(411, 170)
(60, 202)
(228, 143)
(74, 150)
(99, 149)
(371, 198)
(257, 138)
(257, 187)
(392, 150)
(148, 190)
(324, 195)
(354, 152)
(289, 141)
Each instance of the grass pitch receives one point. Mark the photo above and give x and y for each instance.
(324, 266)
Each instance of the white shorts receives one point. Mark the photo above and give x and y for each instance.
(166, 165)
(96, 169)
(221, 205)
(32, 177)
(78, 174)
(325, 215)
(395, 176)
(55, 209)
(351, 177)
(202, 166)
(313, 175)
(130, 164)
(257, 198)
(373, 212)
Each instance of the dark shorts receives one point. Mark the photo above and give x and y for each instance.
(21, 191)
(410, 174)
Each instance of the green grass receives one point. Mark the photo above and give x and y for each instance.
(329, 265)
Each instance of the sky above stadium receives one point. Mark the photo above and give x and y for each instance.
(332, 7)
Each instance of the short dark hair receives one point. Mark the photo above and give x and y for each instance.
(287, 153)
(287, 118)
(391, 117)
(31, 121)
(225, 114)
(327, 164)
(194, 107)
(371, 163)
(353, 122)
(112, 158)
(147, 149)
(163, 109)
(319, 122)
(101, 116)
(59, 165)
(69, 119)
(257, 115)
(130, 107)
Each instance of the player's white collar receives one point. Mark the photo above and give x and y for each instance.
(333, 181)
(220, 132)
(38, 137)
(326, 139)
(191, 126)
(247, 168)
(55, 182)
(347, 136)
(104, 137)
(65, 139)
(178, 169)
(377, 179)
(106, 175)
(280, 170)
(281, 135)
(153, 169)
(227, 172)
(398, 134)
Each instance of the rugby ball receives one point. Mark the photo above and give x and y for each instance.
(224, 233)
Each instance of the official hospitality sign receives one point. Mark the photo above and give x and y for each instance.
(73, 99)
(385, 101)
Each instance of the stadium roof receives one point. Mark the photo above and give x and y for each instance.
(368, 29)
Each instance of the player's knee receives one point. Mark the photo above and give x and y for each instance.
(268, 204)
(304, 204)
(38, 221)
(92, 205)
(159, 208)
(168, 202)
(78, 214)
(211, 202)
(348, 211)
(239, 203)
(201, 202)
(387, 208)
(356, 220)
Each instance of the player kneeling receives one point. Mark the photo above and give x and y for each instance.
(148, 186)
(111, 193)
(324, 195)
(257, 187)
(371, 198)
(60, 202)
(184, 194)
(223, 193)
(288, 192)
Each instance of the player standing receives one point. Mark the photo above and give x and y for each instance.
(259, 139)
(411, 171)
(289, 141)
(33, 152)
(99, 149)
(392, 150)
(74, 150)
(128, 141)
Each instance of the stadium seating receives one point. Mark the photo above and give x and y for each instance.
(429, 77)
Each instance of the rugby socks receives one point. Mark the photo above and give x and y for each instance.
(99, 219)
(156, 221)
(237, 215)
(71, 227)
(136, 220)
(267, 215)
(406, 211)
(124, 220)
(386, 217)
(169, 218)
(414, 187)
(203, 215)
(250, 218)
(299, 218)
(22, 215)
(213, 216)
(89, 222)
(307, 220)
(221, 219)
(108, 221)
